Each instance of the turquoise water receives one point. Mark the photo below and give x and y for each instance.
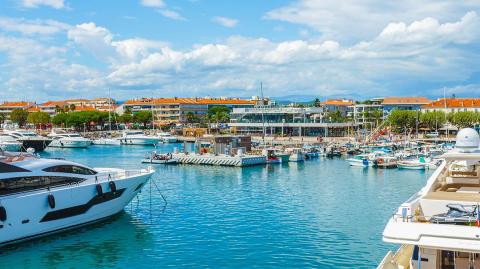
(320, 213)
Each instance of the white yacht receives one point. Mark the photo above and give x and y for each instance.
(296, 155)
(30, 139)
(135, 137)
(439, 227)
(167, 138)
(68, 139)
(8, 143)
(43, 196)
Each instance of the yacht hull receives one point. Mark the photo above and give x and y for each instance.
(61, 143)
(139, 141)
(29, 215)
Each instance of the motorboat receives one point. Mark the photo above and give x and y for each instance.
(44, 196)
(135, 137)
(156, 158)
(68, 139)
(106, 141)
(296, 155)
(361, 160)
(438, 227)
(30, 139)
(167, 138)
(8, 143)
(271, 157)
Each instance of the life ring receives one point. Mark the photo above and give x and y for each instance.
(113, 187)
(380, 160)
(3, 214)
(51, 201)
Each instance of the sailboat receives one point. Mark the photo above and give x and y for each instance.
(104, 140)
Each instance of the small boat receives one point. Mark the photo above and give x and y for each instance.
(296, 155)
(457, 214)
(167, 138)
(361, 160)
(106, 141)
(385, 162)
(415, 164)
(273, 160)
(156, 158)
(271, 156)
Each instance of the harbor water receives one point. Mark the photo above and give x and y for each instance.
(321, 213)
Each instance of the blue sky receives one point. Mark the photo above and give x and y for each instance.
(53, 49)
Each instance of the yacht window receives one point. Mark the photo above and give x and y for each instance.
(70, 169)
(74, 135)
(21, 184)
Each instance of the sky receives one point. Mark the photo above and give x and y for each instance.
(57, 49)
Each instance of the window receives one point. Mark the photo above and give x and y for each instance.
(70, 169)
(21, 184)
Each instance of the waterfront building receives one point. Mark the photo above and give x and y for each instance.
(453, 105)
(7, 107)
(342, 105)
(286, 121)
(403, 103)
(363, 114)
(176, 110)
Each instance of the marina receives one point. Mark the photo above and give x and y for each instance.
(268, 215)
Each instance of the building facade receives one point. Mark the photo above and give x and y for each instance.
(342, 105)
(449, 105)
(7, 107)
(177, 110)
(286, 121)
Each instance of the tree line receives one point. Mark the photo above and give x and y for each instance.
(408, 120)
(77, 119)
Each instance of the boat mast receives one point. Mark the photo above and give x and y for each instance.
(446, 118)
(109, 111)
(263, 115)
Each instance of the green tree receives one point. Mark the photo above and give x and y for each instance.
(377, 116)
(190, 117)
(219, 114)
(335, 116)
(433, 119)
(38, 118)
(2, 118)
(60, 119)
(317, 103)
(142, 117)
(19, 116)
(402, 119)
(464, 119)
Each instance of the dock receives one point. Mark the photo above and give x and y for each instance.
(220, 159)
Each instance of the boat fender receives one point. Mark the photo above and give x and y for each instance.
(113, 188)
(99, 189)
(51, 201)
(365, 162)
(3, 214)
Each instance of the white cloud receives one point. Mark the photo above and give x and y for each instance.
(57, 4)
(153, 3)
(354, 20)
(28, 27)
(171, 14)
(226, 22)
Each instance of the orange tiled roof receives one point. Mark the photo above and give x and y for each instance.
(338, 102)
(33, 109)
(416, 100)
(454, 102)
(85, 108)
(199, 101)
(54, 103)
(76, 100)
(16, 104)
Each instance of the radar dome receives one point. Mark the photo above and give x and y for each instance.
(467, 140)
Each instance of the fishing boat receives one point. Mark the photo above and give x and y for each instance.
(296, 155)
(272, 158)
(44, 196)
(438, 227)
(412, 164)
(156, 158)
(361, 160)
(68, 139)
(134, 137)
(385, 162)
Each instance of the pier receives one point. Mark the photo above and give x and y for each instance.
(220, 160)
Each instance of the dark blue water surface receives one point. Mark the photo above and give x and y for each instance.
(321, 213)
